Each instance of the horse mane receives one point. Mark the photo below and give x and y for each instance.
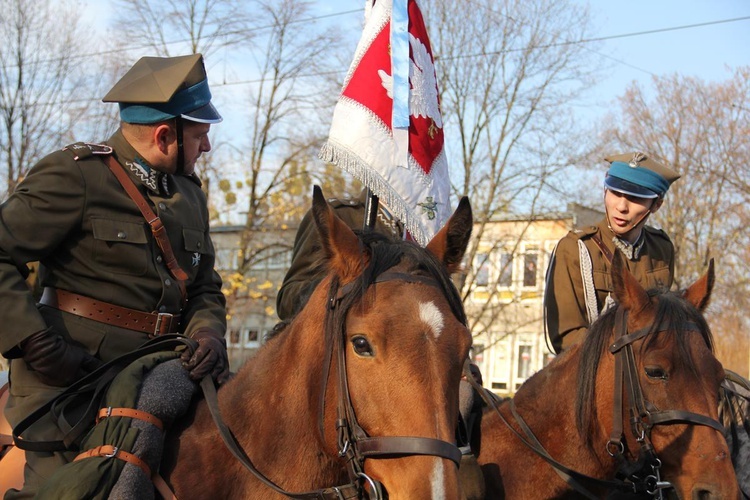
(673, 314)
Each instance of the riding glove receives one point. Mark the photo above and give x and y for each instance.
(210, 357)
(55, 361)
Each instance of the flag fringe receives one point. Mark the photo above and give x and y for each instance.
(340, 156)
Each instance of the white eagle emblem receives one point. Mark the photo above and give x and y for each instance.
(196, 259)
(423, 98)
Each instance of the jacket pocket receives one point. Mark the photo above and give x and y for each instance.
(197, 246)
(658, 277)
(120, 246)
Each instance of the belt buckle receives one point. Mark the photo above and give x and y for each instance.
(160, 318)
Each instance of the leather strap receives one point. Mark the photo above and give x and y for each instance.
(157, 228)
(154, 324)
(109, 451)
(130, 413)
(606, 251)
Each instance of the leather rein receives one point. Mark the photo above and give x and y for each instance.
(354, 444)
(640, 476)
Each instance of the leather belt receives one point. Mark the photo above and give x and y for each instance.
(152, 323)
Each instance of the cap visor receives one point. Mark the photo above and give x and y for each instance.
(204, 114)
(628, 188)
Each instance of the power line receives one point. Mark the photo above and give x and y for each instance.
(581, 41)
(600, 38)
(187, 40)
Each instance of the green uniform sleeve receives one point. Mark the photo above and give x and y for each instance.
(306, 271)
(34, 220)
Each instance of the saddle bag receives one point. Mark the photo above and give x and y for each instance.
(116, 417)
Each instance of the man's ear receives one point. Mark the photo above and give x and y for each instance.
(163, 136)
(656, 205)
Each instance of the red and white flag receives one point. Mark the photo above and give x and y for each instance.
(387, 129)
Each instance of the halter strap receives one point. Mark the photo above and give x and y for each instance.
(353, 441)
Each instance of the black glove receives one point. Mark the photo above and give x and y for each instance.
(54, 360)
(209, 358)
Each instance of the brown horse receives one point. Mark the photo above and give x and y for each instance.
(632, 409)
(389, 315)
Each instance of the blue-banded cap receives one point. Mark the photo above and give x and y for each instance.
(160, 88)
(636, 174)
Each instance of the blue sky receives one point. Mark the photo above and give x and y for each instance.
(705, 51)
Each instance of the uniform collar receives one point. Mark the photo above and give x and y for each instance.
(630, 250)
(155, 181)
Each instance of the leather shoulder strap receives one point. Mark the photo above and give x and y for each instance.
(157, 228)
(606, 251)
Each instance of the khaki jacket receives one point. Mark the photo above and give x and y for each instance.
(74, 217)
(566, 314)
(308, 261)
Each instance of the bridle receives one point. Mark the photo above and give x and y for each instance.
(354, 444)
(639, 476)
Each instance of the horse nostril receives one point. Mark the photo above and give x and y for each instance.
(704, 493)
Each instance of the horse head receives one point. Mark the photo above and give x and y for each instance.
(666, 381)
(632, 409)
(401, 333)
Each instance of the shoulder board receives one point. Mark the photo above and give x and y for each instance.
(195, 179)
(583, 232)
(348, 202)
(85, 150)
(657, 232)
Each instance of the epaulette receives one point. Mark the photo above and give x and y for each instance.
(195, 179)
(657, 232)
(583, 232)
(84, 150)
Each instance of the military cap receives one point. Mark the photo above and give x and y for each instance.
(638, 175)
(160, 88)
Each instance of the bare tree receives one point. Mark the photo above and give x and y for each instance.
(43, 86)
(288, 108)
(204, 26)
(702, 129)
(508, 72)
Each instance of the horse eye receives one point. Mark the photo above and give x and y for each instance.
(656, 372)
(362, 346)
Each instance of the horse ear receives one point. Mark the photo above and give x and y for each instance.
(699, 293)
(628, 292)
(339, 242)
(449, 244)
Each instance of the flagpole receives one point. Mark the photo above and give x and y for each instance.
(371, 211)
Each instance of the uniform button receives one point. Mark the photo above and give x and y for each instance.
(167, 281)
(122, 235)
(198, 244)
(163, 309)
(158, 259)
(162, 206)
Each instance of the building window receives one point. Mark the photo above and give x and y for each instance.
(524, 362)
(530, 269)
(252, 337)
(233, 337)
(506, 270)
(482, 267)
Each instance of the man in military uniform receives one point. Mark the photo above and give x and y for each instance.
(111, 278)
(308, 261)
(579, 287)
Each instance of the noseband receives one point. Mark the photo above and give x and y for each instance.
(354, 444)
(644, 472)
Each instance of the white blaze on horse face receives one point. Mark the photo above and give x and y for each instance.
(437, 480)
(432, 317)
